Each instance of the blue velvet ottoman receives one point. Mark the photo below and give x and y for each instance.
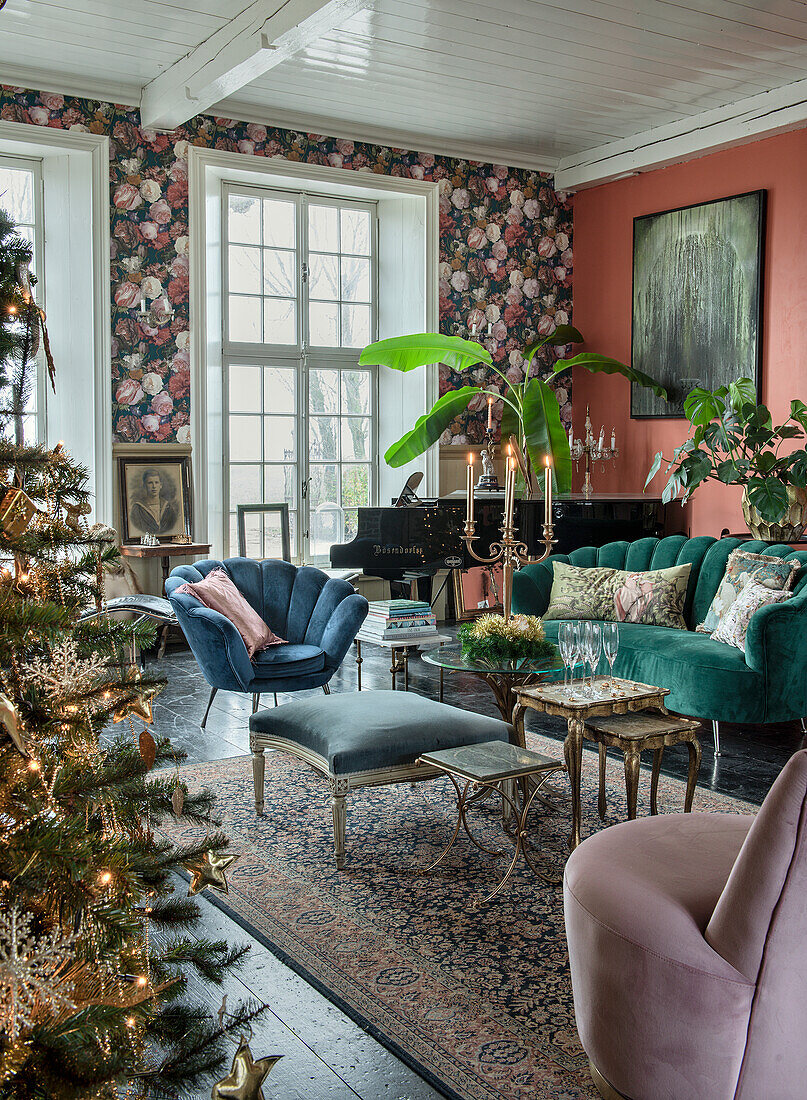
(364, 739)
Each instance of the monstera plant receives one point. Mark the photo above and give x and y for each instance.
(733, 440)
(531, 411)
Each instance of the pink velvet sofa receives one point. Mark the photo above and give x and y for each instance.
(688, 951)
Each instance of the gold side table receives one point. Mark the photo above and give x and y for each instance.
(634, 734)
(618, 697)
(494, 766)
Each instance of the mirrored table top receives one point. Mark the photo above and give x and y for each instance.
(450, 656)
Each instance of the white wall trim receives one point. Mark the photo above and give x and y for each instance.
(747, 120)
(212, 165)
(92, 149)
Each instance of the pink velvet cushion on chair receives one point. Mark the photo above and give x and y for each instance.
(218, 592)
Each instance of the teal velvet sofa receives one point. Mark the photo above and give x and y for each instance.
(707, 679)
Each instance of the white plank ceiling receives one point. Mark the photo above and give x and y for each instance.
(527, 82)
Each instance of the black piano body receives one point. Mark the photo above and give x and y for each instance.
(424, 538)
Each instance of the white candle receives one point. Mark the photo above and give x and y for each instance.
(571, 438)
(613, 439)
(509, 492)
(490, 413)
(490, 328)
(469, 489)
(473, 329)
(547, 491)
(601, 440)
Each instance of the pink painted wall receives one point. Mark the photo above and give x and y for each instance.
(603, 235)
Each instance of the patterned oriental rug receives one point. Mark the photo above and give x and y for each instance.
(478, 1001)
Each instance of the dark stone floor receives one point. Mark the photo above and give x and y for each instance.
(327, 1055)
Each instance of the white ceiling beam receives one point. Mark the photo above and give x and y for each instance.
(750, 119)
(263, 35)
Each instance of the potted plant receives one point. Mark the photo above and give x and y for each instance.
(531, 410)
(733, 440)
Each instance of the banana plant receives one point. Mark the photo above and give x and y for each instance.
(531, 412)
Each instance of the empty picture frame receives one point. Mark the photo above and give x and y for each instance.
(697, 294)
(261, 511)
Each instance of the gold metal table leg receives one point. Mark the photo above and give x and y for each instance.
(573, 752)
(601, 797)
(632, 761)
(692, 778)
(657, 755)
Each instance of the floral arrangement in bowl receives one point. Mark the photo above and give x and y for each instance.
(491, 639)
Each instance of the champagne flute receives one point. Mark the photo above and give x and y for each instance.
(610, 647)
(594, 647)
(565, 642)
(579, 651)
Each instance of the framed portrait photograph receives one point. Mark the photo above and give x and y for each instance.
(155, 497)
(477, 590)
(697, 294)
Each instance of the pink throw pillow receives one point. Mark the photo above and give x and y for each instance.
(218, 592)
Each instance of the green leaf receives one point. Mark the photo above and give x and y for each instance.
(765, 462)
(511, 425)
(430, 427)
(798, 411)
(695, 468)
(654, 469)
(741, 393)
(789, 431)
(798, 469)
(759, 418)
(545, 434)
(769, 497)
(702, 405)
(602, 364)
(563, 334)
(672, 488)
(728, 473)
(405, 353)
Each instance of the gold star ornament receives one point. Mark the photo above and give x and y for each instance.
(209, 870)
(244, 1080)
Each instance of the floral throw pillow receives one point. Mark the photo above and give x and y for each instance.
(765, 569)
(655, 598)
(733, 626)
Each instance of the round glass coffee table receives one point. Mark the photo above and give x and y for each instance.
(503, 676)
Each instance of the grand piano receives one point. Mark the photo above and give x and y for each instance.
(416, 540)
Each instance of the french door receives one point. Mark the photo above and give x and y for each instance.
(300, 302)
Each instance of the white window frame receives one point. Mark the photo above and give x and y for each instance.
(409, 259)
(302, 355)
(34, 166)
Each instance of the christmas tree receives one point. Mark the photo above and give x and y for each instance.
(95, 941)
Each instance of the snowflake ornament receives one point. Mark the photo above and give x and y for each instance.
(29, 969)
(64, 674)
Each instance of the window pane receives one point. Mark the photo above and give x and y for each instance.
(253, 531)
(355, 326)
(351, 523)
(245, 388)
(323, 391)
(355, 486)
(324, 487)
(279, 435)
(272, 535)
(17, 194)
(356, 231)
(245, 485)
(279, 390)
(278, 223)
(323, 323)
(278, 273)
(324, 278)
(323, 229)
(245, 439)
(244, 219)
(279, 321)
(245, 320)
(356, 392)
(355, 280)
(279, 484)
(245, 270)
(356, 439)
(324, 440)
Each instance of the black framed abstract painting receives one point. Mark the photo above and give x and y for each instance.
(697, 299)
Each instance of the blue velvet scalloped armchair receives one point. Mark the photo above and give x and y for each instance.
(319, 616)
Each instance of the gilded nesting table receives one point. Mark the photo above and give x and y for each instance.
(621, 697)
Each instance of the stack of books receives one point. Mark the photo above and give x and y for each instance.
(400, 620)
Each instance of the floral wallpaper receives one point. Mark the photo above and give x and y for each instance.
(505, 251)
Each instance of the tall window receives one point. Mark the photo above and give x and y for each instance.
(21, 198)
(299, 305)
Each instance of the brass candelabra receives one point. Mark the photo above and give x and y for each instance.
(509, 551)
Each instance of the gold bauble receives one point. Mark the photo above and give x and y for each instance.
(209, 870)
